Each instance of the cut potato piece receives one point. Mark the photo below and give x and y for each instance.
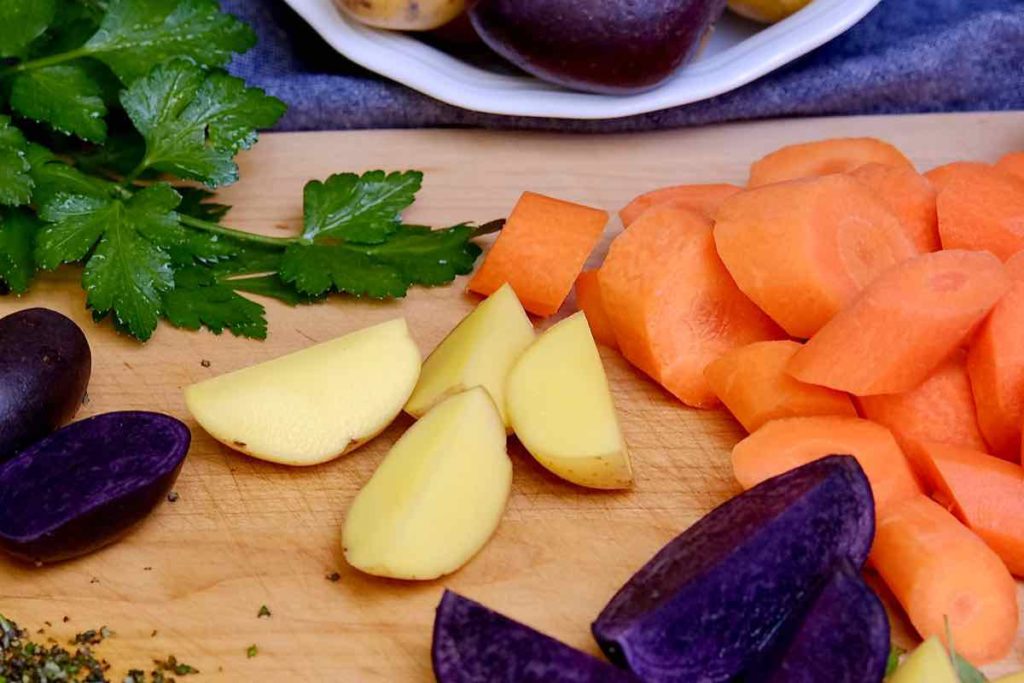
(313, 405)
(929, 663)
(561, 408)
(437, 497)
(480, 351)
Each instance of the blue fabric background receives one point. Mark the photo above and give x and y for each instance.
(906, 56)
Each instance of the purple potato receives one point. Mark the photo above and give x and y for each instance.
(473, 644)
(603, 46)
(843, 637)
(45, 365)
(85, 486)
(710, 602)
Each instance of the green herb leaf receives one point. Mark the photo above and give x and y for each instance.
(198, 300)
(53, 177)
(365, 209)
(21, 22)
(251, 651)
(269, 286)
(195, 202)
(65, 96)
(18, 230)
(138, 35)
(194, 122)
(74, 22)
(15, 180)
(895, 654)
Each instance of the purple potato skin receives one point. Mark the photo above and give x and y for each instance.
(45, 363)
(602, 46)
(85, 486)
(474, 644)
(843, 638)
(710, 602)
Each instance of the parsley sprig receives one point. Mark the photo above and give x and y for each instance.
(107, 106)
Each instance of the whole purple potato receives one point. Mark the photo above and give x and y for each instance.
(602, 46)
(86, 485)
(45, 365)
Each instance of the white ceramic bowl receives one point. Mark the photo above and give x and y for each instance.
(738, 53)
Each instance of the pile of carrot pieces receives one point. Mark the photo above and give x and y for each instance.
(840, 303)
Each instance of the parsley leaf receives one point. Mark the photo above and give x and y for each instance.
(138, 35)
(194, 122)
(195, 202)
(895, 654)
(53, 177)
(199, 299)
(64, 96)
(21, 22)
(270, 286)
(17, 236)
(365, 209)
(15, 182)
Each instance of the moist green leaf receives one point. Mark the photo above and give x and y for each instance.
(76, 223)
(15, 180)
(18, 230)
(195, 122)
(64, 96)
(137, 35)
(53, 177)
(429, 257)
(199, 300)
(74, 22)
(195, 202)
(21, 22)
(270, 286)
(120, 154)
(250, 259)
(365, 209)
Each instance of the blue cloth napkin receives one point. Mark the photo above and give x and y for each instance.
(905, 56)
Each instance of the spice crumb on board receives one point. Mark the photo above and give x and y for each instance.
(205, 363)
(264, 612)
(333, 577)
(173, 497)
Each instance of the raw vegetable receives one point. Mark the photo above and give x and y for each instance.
(823, 157)
(782, 445)
(88, 484)
(941, 408)
(590, 300)
(904, 325)
(844, 636)
(672, 304)
(111, 102)
(928, 663)
(940, 176)
(753, 384)
(802, 250)
(982, 210)
(1015, 266)
(473, 644)
(938, 569)
(45, 363)
(703, 199)
(541, 251)
(437, 497)
(705, 605)
(560, 407)
(313, 405)
(985, 492)
(995, 363)
(480, 351)
(1012, 163)
(404, 15)
(909, 196)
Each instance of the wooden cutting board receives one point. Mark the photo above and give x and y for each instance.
(244, 533)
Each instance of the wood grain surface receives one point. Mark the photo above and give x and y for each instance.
(244, 533)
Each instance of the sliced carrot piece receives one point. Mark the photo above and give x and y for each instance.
(985, 492)
(940, 409)
(909, 196)
(904, 324)
(940, 176)
(1015, 266)
(1012, 163)
(995, 363)
(703, 199)
(753, 384)
(982, 209)
(802, 250)
(672, 304)
(782, 445)
(938, 568)
(541, 251)
(838, 155)
(591, 302)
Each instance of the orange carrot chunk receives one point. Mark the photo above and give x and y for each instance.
(802, 250)
(982, 209)
(939, 409)
(1015, 266)
(782, 445)
(540, 251)
(940, 176)
(938, 568)
(838, 155)
(591, 302)
(703, 199)
(1012, 163)
(904, 325)
(995, 363)
(753, 384)
(985, 492)
(909, 196)
(672, 304)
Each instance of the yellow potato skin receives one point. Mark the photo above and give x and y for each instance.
(1012, 678)
(403, 15)
(929, 663)
(767, 11)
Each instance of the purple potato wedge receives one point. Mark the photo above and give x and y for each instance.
(474, 644)
(45, 363)
(85, 486)
(844, 637)
(708, 605)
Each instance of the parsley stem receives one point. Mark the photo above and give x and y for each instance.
(240, 235)
(47, 61)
